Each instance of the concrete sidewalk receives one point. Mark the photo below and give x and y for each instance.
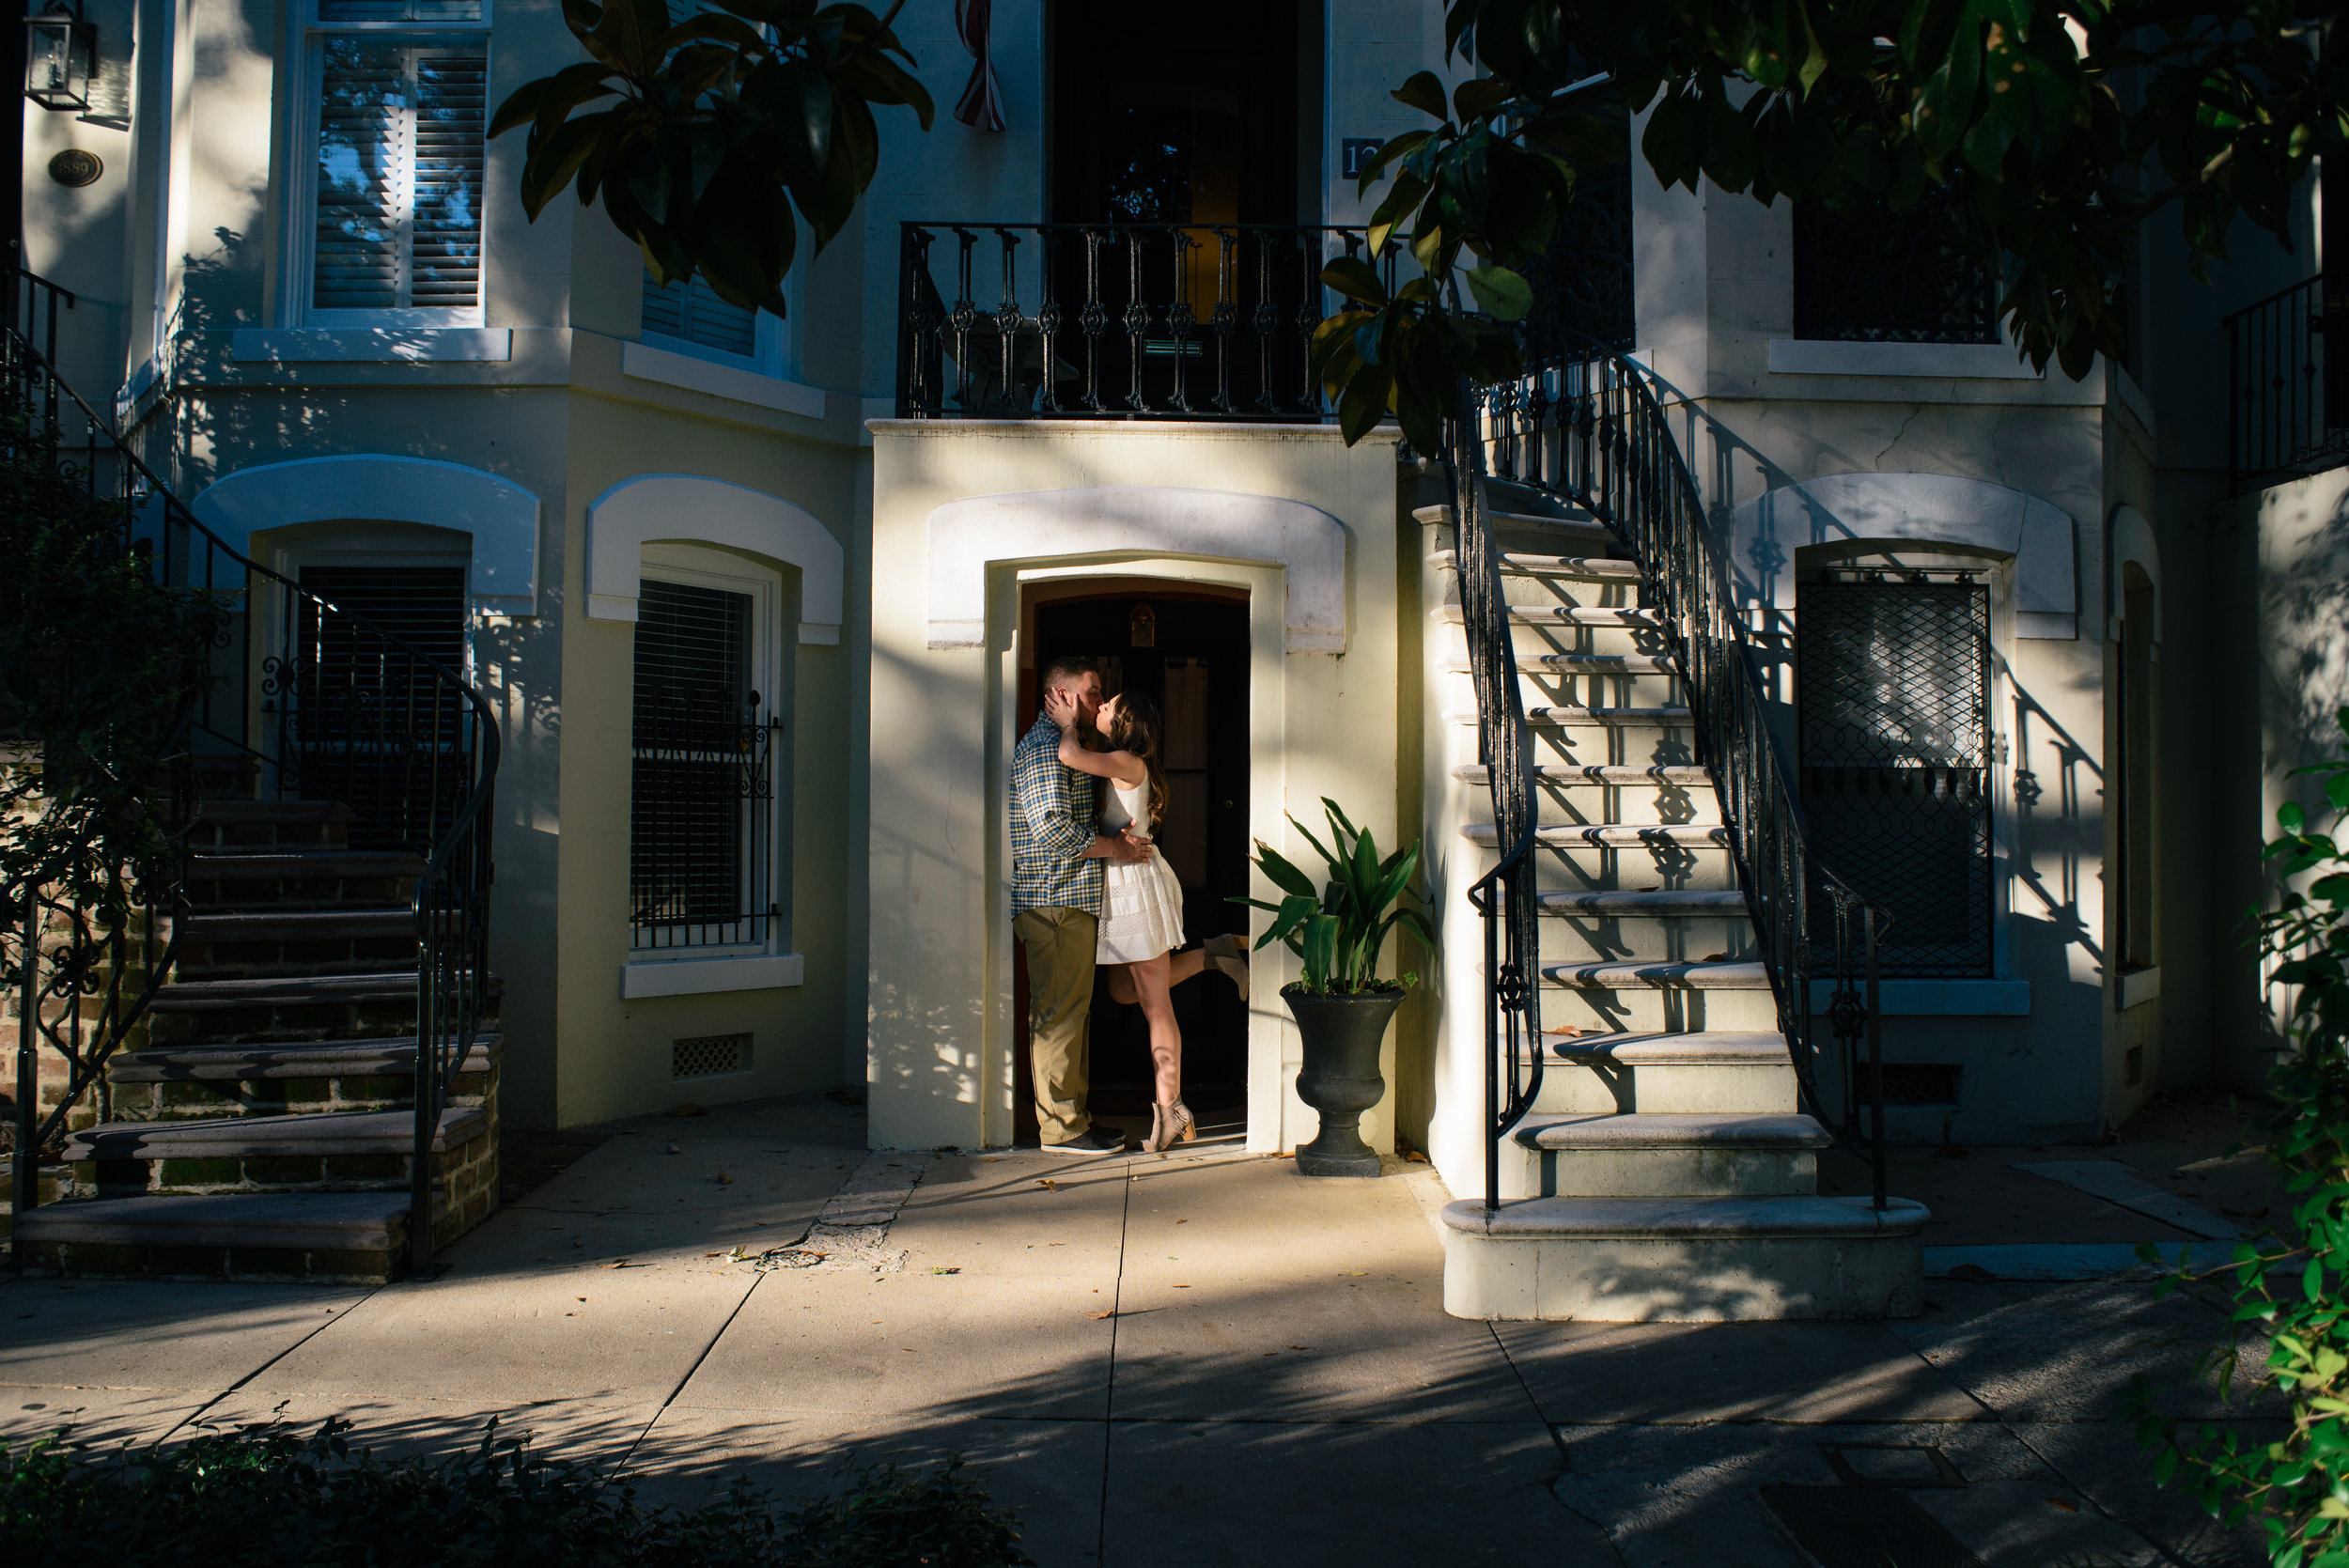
(1199, 1359)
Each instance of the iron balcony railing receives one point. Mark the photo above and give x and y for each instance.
(307, 699)
(1115, 320)
(1584, 423)
(2288, 384)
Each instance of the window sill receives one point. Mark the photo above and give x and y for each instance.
(378, 345)
(1988, 361)
(1980, 999)
(2136, 986)
(670, 369)
(685, 977)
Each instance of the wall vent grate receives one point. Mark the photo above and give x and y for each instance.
(709, 1055)
(1913, 1083)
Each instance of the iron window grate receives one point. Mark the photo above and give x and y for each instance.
(1893, 677)
(1869, 274)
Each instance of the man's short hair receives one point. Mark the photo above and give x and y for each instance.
(1071, 665)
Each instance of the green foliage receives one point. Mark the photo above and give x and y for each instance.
(99, 668)
(261, 1498)
(726, 121)
(2057, 127)
(2295, 1296)
(1340, 930)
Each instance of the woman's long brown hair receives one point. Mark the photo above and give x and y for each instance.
(1135, 729)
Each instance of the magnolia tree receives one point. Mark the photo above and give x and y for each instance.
(2055, 127)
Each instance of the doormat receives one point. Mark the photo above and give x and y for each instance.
(1844, 1527)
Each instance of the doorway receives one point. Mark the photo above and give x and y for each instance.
(1187, 647)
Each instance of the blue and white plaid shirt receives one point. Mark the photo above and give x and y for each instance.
(1052, 817)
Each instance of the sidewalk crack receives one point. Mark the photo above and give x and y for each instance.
(1109, 1398)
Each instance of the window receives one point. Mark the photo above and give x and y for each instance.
(2138, 681)
(691, 319)
(1892, 677)
(400, 103)
(703, 871)
(1871, 275)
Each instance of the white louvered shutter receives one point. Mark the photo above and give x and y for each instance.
(694, 314)
(400, 176)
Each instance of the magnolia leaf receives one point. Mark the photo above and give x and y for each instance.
(1500, 293)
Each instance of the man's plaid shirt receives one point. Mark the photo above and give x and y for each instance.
(1053, 819)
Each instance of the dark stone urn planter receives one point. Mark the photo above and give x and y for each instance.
(1340, 1076)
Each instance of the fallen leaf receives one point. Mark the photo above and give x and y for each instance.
(945, 1270)
(1099, 1316)
(675, 1150)
(1182, 1287)
(1300, 1348)
(1359, 1274)
(1715, 957)
(2067, 1504)
(1182, 1222)
(1562, 1028)
(1415, 1157)
(725, 1180)
(688, 1109)
(1048, 1184)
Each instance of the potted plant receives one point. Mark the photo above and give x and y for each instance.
(1341, 1007)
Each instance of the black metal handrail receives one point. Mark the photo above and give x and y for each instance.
(1129, 320)
(1583, 424)
(307, 699)
(2288, 385)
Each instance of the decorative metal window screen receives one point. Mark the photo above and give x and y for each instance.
(353, 709)
(1871, 275)
(702, 802)
(1583, 281)
(1893, 699)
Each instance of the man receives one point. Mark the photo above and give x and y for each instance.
(1056, 862)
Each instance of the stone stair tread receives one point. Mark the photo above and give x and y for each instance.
(1724, 975)
(338, 1221)
(1669, 1129)
(275, 861)
(376, 1058)
(1696, 1048)
(1660, 901)
(1588, 664)
(1583, 528)
(274, 810)
(1686, 1219)
(1548, 716)
(301, 924)
(183, 996)
(1685, 774)
(358, 1132)
(1611, 835)
(1552, 566)
(1568, 615)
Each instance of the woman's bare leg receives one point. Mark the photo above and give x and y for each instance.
(1179, 968)
(1149, 980)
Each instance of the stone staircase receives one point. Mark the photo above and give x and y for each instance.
(1665, 1171)
(265, 1126)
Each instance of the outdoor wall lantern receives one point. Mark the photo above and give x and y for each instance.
(60, 56)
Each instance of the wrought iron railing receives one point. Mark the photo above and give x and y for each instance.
(2288, 385)
(1115, 320)
(304, 700)
(1585, 424)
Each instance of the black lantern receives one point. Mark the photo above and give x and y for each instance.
(60, 56)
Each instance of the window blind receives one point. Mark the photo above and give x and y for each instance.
(699, 780)
(400, 176)
(400, 10)
(692, 313)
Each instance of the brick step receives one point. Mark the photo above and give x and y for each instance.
(1608, 1154)
(342, 1237)
(360, 1151)
(1583, 530)
(198, 1082)
(1569, 775)
(1583, 568)
(1611, 835)
(1677, 1259)
(298, 925)
(272, 878)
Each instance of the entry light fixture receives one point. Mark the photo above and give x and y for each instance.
(60, 57)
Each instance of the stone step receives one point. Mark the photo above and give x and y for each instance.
(1611, 835)
(374, 985)
(303, 866)
(200, 1082)
(274, 810)
(306, 1058)
(363, 1151)
(266, 827)
(1696, 976)
(1664, 1154)
(1583, 529)
(1627, 617)
(1696, 1072)
(341, 1238)
(298, 925)
(1589, 569)
(1684, 1260)
(1572, 775)
(1546, 717)
(1540, 665)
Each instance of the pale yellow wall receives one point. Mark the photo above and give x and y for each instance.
(939, 1026)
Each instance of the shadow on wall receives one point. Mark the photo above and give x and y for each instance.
(2304, 619)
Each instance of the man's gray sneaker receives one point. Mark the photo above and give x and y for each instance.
(1093, 1140)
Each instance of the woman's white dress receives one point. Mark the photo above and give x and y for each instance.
(1142, 902)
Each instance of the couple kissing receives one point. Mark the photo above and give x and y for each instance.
(1089, 890)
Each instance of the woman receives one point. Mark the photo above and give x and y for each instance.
(1142, 902)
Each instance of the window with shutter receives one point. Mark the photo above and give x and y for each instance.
(398, 177)
(693, 315)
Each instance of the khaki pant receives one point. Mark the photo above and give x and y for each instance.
(1059, 942)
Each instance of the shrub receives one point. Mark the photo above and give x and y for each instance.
(261, 1496)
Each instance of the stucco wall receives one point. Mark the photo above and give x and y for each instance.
(939, 1023)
